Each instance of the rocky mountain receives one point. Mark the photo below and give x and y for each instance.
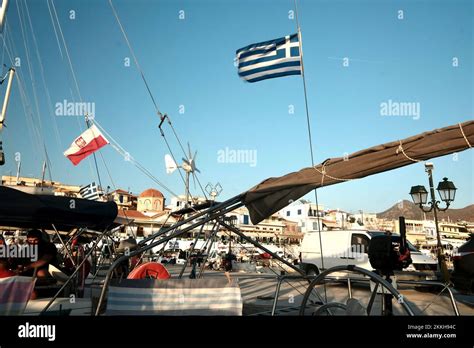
(411, 211)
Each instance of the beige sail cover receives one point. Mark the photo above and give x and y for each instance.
(273, 194)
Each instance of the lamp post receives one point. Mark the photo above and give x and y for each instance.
(447, 192)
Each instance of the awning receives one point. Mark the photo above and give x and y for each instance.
(23, 210)
(273, 194)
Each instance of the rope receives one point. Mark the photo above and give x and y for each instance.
(464, 135)
(323, 173)
(400, 149)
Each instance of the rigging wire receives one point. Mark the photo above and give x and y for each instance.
(33, 83)
(135, 58)
(174, 159)
(42, 73)
(67, 52)
(308, 123)
(33, 131)
(3, 49)
(115, 189)
(116, 145)
(55, 31)
(242, 246)
(185, 155)
(142, 74)
(76, 84)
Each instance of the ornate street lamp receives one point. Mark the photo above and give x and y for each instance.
(447, 192)
(419, 194)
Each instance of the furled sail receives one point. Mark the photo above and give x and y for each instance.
(273, 194)
(23, 210)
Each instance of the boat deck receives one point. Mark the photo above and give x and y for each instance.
(258, 291)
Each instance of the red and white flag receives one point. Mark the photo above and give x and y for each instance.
(85, 144)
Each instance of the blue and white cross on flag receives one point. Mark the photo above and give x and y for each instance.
(269, 59)
(91, 192)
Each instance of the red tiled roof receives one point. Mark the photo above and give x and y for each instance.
(151, 193)
(135, 214)
(121, 191)
(132, 214)
(159, 214)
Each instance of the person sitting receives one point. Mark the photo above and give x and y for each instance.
(46, 255)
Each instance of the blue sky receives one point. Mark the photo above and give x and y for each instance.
(189, 62)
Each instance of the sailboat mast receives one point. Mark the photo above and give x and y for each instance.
(186, 204)
(3, 12)
(18, 169)
(11, 73)
(43, 173)
(88, 124)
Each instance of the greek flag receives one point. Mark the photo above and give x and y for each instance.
(269, 59)
(91, 192)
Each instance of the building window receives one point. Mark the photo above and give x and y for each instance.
(246, 219)
(299, 211)
(121, 198)
(147, 204)
(288, 213)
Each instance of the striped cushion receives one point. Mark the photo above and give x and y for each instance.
(174, 297)
(15, 293)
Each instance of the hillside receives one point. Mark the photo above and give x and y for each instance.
(411, 211)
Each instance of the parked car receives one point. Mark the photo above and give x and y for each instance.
(350, 247)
